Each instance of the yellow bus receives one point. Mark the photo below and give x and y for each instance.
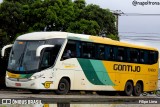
(64, 61)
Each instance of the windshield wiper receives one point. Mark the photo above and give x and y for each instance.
(20, 59)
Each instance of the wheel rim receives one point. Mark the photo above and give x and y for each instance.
(62, 86)
(138, 89)
(129, 87)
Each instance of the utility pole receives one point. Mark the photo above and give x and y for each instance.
(117, 13)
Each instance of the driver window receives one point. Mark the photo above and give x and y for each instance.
(46, 60)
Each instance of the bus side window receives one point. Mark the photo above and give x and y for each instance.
(146, 58)
(78, 49)
(153, 57)
(111, 54)
(121, 54)
(84, 51)
(133, 55)
(88, 50)
(142, 57)
(70, 50)
(101, 51)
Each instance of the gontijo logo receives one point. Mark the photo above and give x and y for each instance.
(129, 68)
(47, 84)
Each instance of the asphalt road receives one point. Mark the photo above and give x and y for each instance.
(51, 97)
(24, 98)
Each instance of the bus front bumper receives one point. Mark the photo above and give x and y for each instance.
(30, 84)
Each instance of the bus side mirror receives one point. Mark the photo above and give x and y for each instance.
(40, 48)
(4, 48)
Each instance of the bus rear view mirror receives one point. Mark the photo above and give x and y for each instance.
(40, 48)
(4, 49)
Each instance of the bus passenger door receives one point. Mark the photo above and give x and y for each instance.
(47, 61)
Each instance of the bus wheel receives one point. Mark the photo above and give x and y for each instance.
(137, 90)
(128, 89)
(63, 87)
(35, 91)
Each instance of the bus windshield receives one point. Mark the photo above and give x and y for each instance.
(23, 56)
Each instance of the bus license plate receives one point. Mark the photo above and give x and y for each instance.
(18, 84)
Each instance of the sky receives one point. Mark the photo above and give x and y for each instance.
(141, 30)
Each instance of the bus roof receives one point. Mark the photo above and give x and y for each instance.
(74, 36)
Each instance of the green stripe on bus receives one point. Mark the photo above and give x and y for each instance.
(95, 72)
(25, 75)
(89, 71)
(101, 72)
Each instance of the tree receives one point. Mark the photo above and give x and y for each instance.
(84, 26)
(3, 38)
(51, 15)
(21, 1)
(11, 17)
(80, 4)
(104, 18)
(114, 37)
(21, 16)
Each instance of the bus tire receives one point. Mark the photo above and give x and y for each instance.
(128, 89)
(34, 91)
(63, 87)
(137, 90)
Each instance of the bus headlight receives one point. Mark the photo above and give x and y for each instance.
(35, 77)
(7, 76)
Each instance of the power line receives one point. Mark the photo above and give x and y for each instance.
(133, 36)
(151, 39)
(120, 13)
(139, 14)
(140, 36)
(137, 36)
(142, 39)
(139, 33)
